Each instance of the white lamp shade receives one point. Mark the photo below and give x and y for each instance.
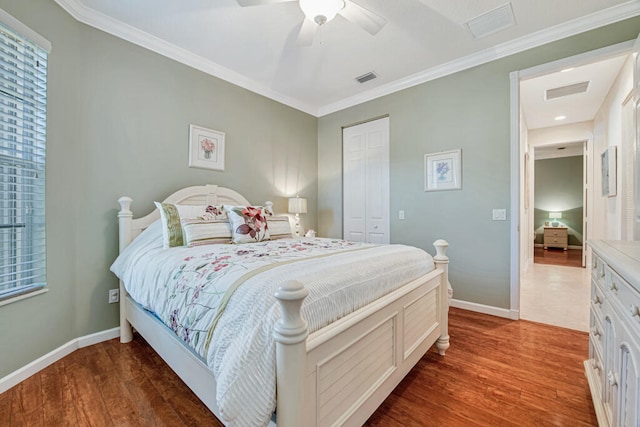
(297, 205)
(555, 215)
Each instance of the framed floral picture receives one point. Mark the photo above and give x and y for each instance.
(206, 148)
(442, 171)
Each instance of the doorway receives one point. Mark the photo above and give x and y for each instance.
(531, 281)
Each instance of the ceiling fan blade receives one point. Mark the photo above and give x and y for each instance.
(368, 20)
(246, 3)
(307, 33)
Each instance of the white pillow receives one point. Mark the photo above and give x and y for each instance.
(198, 232)
(248, 223)
(171, 214)
(279, 227)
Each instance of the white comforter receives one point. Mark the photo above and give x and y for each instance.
(240, 349)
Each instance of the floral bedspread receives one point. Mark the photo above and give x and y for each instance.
(193, 292)
(189, 288)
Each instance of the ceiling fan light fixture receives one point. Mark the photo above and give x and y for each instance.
(321, 11)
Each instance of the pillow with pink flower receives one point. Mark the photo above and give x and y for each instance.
(248, 223)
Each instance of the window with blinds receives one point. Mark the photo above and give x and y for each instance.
(23, 88)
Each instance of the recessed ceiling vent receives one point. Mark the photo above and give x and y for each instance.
(491, 22)
(573, 89)
(366, 77)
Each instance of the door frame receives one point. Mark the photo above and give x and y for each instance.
(516, 152)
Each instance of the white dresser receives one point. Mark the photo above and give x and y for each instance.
(613, 368)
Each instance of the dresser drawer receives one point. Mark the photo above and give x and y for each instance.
(622, 295)
(555, 232)
(597, 268)
(597, 299)
(556, 241)
(596, 332)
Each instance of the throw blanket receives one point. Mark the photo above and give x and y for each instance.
(219, 300)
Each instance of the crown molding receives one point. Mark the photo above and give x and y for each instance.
(131, 34)
(558, 32)
(105, 23)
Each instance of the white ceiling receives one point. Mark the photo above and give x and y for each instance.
(255, 47)
(581, 107)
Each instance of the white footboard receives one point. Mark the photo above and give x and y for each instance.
(342, 373)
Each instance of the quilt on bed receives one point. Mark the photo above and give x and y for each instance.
(219, 300)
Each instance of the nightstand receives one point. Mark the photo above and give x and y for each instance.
(556, 237)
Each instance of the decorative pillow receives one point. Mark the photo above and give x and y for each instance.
(171, 215)
(279, 227)
(198, 232)
(248, 223)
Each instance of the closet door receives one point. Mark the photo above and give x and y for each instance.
(366, 182)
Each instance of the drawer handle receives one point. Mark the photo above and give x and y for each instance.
(613, 286)
(595, 332)
(613, 381)
(596, 300)
(635, 311)
(602, 272)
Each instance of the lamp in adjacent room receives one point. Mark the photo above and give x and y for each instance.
(555, 216)
(297, 205)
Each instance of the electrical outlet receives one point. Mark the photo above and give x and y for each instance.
(114, 296)
(400, 214)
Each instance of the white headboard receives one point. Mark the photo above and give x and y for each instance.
(129, 228)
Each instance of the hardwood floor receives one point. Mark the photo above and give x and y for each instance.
(557, 256)
(497, 372)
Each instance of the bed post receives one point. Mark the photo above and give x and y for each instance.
(125, 220)
(442, 263)
(290, 334)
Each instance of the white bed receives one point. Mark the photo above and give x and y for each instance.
(381, 341)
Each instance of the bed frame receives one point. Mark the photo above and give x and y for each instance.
(339, 374)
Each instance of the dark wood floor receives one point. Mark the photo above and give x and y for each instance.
(557, 256)
(497, 372)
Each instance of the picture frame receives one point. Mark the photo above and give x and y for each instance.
(206, 148)
(443, 170)
(547, 224)
(609, 171)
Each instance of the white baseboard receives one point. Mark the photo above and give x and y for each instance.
(486, 309)
(39, 364)
(540, 245)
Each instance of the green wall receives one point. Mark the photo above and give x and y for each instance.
(558, 188)
(118, 118)
(117, 124)
(468, 110)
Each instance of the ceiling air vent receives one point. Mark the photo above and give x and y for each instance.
(559, 92)
(491, 22)
(366, 77)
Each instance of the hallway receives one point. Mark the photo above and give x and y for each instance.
(556, 295)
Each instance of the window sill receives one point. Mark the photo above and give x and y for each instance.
(24, 296)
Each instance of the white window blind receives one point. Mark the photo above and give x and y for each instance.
(23, 88)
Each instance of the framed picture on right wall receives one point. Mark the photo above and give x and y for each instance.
(609, 171)
(443, 171)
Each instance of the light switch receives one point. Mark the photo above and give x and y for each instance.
(499, 215)
(400, 214)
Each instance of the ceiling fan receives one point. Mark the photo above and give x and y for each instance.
(319, 12)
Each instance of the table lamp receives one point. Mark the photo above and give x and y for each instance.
(297, 205)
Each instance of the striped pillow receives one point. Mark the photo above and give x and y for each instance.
(198, 232)
(279, 227)
(171, 214)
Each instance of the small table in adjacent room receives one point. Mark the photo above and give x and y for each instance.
(556, 237)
